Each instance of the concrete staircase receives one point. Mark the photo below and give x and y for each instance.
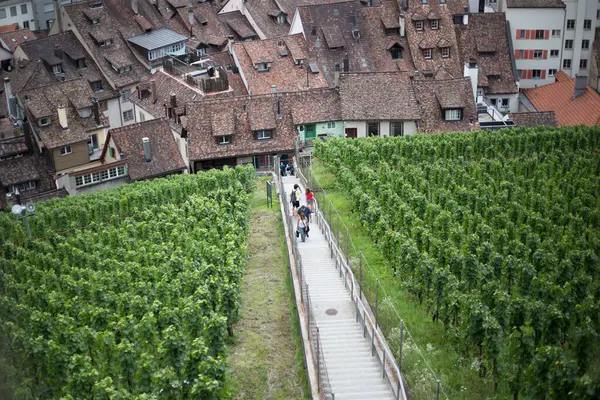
(354, 373)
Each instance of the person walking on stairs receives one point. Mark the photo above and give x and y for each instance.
(295, 198)
(310, 198)
(302, 227)
(303, 210)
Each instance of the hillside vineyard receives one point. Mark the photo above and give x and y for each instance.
(498, 234)
(125, 293)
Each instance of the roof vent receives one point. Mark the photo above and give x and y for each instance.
(147, 153)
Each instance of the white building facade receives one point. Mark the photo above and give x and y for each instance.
(581, 20)
(17, 12)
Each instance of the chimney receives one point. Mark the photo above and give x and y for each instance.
(471, 70)
(153, 92)
(230, 44)
(96, 111)
(58, 51)
(191, 19)
(401, 21)
(62, 116)
(134, 6)
(11, 101)
(336, 75)
(466, 19)
(346, 64)
(273, 88)
(173, 100)
(58, 21)
(147, 153)
(580, 85)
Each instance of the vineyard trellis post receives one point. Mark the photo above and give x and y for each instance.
(376, 303)
(437, 390)
(401, 344)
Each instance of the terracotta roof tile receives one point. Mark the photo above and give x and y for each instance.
(18, 170)
(13, 39)
(166, 158)
(533, 119)
(558, 97)
(11, 148)
(315, 106)
(9, 28)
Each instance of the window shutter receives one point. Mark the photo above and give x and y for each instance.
(531, 54)
(523, 74)
(543, 74)
(529, 74)
(527, 34)
(546, 34)
(545, 54)
(516, 54)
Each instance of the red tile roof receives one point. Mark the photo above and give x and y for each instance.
(558, 97)
(9, 28)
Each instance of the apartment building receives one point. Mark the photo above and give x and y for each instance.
(17, 12)
(581, 20)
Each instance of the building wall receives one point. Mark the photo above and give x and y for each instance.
(127, 106)
(296, 26)
(513, 101)
(410, 127)
(537, 19)
(113, 113)
(23, 19)
(78, 156)
(579, 10)
(238, 5)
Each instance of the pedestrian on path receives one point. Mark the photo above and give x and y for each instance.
(302, 227)
(306, 211)
(310, 198)
(295, 198)
(282, 168)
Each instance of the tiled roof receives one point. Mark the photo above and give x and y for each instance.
(44, 102)
(166, 158)
(65, 48)
(487, 34)
(433, 95)
(433, 39)
(535, 4)
(12, 39)
(11, 148)
(319, 105)
(157, 39)
(283, 71)
(165, 85)
(558, 97)
(259, 10)
(237, 25)
(377, 96)
(533, 119)
(117, 23)
(246, 112)
(18, 170)
(9, 28)
(327, 25)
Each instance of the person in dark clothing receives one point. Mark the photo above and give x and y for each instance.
(282, 168)
(306, 211)
(290, 169)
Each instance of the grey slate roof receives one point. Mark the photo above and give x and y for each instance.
(157, 39)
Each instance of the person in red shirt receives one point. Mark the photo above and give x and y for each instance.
(310, 198)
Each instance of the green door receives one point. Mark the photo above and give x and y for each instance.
(310, 131)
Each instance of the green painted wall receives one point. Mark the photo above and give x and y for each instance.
(330, 129)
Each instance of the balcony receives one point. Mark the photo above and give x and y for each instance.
(200, 72)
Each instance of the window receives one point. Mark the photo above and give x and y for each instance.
(567, 63)
(555, 33)
(57, 69)
(587, 24)
(142, 116)
(95, 21)
(96, 86)
(87, 179)
(127, 115)
(570, 24)
(23, 8)
(419, 25)
(111, 152)
(224, 139)
(536, 74)
(435, 24)
(396, 51)
(23, 186)
(25, 24)
(330, 125)
(453, 115)
(521, 33)
(80, 63)
(201, 51)
(13, 11)
(49, 8)
(537, 54)
(521, 54)
(568, 44)
(397, 128)
(427, 54)
(424, 1)
(597, 14)
(585, 44)
(442, 1)
(445, 51)
(494, 102)
(505, 103)
(263, 134)
(539, 34)
(103, 105)
(281, 19)
(372, 128)
(85, 112)
(44, 121)
(65, 150)
(552, 72)
(583, 64)
(553, 53)
(2, 13)
(106, 42)
(125, 95)
(96, 177)
(262, 67)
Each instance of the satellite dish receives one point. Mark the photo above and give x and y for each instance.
(30, 207)
(16, 209)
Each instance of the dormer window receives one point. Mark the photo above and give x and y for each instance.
(80, 63)
(427, 54)
(45, 121)
(454, 114)
(85, 112)
(96, 86)
(396, 52)
(106, 42)
(262, 67)
(95, 21)
(226, 139)
(434, 24)
(445, 52)
(280, 19)
(96, 4)
(263, 134)
(57, 69)
(419, 25)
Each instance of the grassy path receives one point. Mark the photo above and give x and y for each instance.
(265, 354)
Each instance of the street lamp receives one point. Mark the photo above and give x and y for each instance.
(24, 212)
